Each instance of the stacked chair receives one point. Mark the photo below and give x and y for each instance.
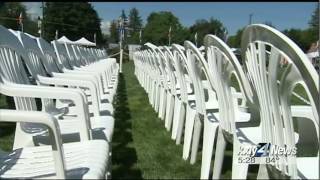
(70, 135)
(191, 90)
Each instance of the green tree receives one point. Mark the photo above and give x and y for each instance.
(10, 11)
(74, 20)
(135, 24)
(123, 14)
(114, 33)
(314, 24)
(235, 41)
(302, 38)
(157, 29)
(203, 27)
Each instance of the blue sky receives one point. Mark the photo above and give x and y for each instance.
(233, 15)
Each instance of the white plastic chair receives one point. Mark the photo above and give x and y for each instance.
(80, 160)
(50, 61)
(261, 44)
(205, 98)
(15, 82)
(162, 80)
(98, 72)
(98, 121)
(221, 64)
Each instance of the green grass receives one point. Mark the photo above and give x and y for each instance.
(6, 129)
(142, 148)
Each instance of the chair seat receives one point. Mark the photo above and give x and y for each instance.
(105, 109)
(308, 167)
(83, 160)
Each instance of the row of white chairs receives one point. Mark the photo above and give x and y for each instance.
(70, 135)
(193, 90)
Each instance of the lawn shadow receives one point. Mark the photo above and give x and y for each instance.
(124, 155)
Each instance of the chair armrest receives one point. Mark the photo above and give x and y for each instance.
(51, 123)
(83, 76)
(76, 95)
(74, 82)
(79, 75)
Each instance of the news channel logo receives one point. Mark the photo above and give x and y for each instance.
(264, 153)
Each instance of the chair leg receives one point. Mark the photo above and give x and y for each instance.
(219, 155)
(263, 172)
(191, 113)
(196, 139)
(163, 101)
(239, 170)
(157, 98)
(151, 94)
(209, 135)
(169, 111)
(176, 116)
(182, 118)
(160, 102)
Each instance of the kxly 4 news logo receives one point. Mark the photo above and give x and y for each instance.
(264, 153)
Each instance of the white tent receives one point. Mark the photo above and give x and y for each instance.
(85, 42)
(64, 39)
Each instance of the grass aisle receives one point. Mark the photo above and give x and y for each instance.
(142, 148)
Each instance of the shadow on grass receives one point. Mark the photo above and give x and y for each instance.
(124, 156)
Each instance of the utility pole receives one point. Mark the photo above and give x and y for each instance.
(121, 35)
(20, 20)
(250, 18)
(140, 36)
(169, 34)
(196, 39)
(39, 26)
(42, 28)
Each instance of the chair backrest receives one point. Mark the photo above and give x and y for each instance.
(72, 56)
(62, 54)
(13, 71)
(263, 48)
(34, 53)
(51, 62)
(181, 70)
(171, 69)
(35, 64)
(196, 62)
(161, 61)
(79, 58)
(222, 64)
(12, 68)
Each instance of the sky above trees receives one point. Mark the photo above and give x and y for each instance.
(234, 15)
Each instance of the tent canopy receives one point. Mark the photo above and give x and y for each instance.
(64, 39)
(85, 42)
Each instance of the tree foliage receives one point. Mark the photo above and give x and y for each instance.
(135, 25)
(203, 27)
(314, 24)
(305, 37)
(114, 33)
(302, 38)
(157, 29)
(72, 19)
(10, 11)
(235, 41)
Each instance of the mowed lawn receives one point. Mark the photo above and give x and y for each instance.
(141, 147)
